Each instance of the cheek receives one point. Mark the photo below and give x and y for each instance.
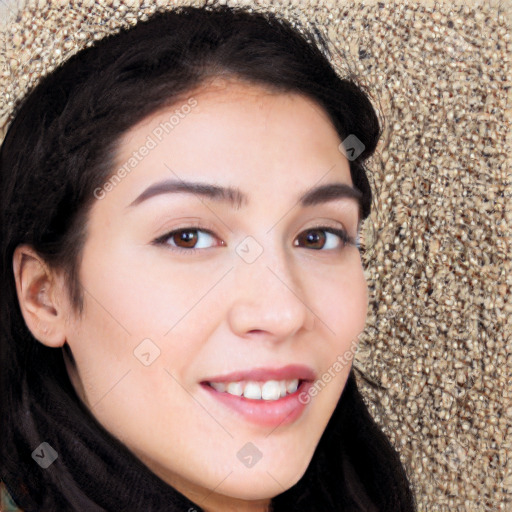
(136, 303)
(127, 315)
(342, 310)
(344, 302)
(142, 290)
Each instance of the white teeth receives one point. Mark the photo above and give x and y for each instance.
(235, 388)
(219, 386)
(252, 390)
(269, 390)
(292, 385)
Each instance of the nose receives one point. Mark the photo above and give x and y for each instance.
(269, 298)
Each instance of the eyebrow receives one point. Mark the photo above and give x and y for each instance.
(236, 198)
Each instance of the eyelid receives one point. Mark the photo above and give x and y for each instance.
(190, 224)
(341, 232)
(322, 224)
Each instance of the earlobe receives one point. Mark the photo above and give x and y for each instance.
(38, 295)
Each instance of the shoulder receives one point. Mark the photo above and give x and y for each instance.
(6, 502)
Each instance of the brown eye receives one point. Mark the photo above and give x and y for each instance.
(186, 236)
(186, 239)
(317, 239)
(314, 237)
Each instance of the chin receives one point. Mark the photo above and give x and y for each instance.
(259, 485)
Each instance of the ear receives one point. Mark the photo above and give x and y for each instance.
(40, 297)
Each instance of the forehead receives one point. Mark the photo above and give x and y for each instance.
(247, 112)
(236, 134)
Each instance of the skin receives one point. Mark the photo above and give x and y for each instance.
(294, 304)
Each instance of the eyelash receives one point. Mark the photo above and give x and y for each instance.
(346, 239)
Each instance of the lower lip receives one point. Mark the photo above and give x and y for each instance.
(268, 413)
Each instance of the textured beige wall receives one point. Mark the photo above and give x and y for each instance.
(438, 245)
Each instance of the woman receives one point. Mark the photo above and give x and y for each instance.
(143, 369)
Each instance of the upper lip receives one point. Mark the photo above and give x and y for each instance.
(292, 371)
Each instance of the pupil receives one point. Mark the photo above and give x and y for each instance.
(187, 237)
(313, 237)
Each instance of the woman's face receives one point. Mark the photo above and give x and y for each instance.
(247, 285)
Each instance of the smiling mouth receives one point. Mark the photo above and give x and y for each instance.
(260, 402)
(270, 390)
